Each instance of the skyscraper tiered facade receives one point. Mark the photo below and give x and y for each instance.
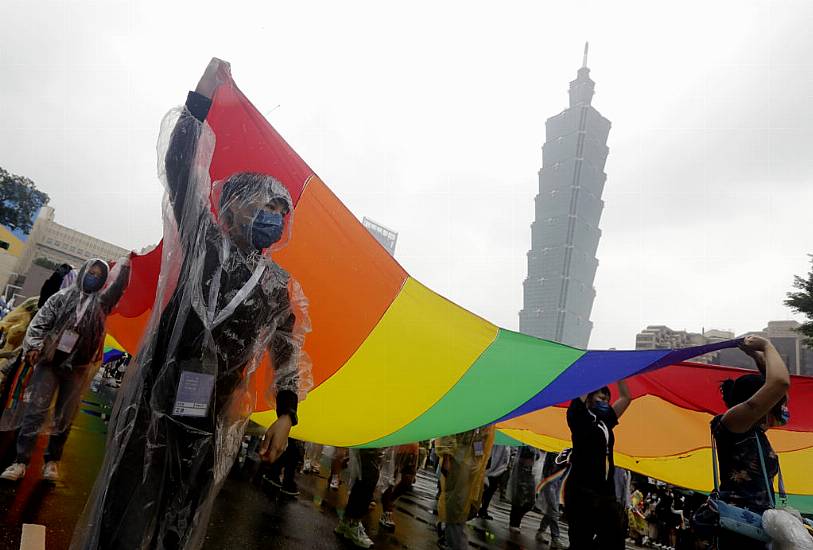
(558, 292)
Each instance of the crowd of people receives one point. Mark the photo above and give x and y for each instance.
(602, 506)
(183, 408)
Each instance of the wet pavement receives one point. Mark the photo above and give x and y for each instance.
(247, 514)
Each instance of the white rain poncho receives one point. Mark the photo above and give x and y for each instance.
(221, 304)
(463, 481)
(787, 530)
(68, 332)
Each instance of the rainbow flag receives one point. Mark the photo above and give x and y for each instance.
(395, 362)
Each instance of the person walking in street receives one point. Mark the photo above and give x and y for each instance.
(221, 304)
(547, 500)
(522, 485)
(755, 403)
(463, 458)
(53, 284)
(286, 466)
(593, 512)
(365, 467)
(405, 467)
(63, 340)
(497, 466)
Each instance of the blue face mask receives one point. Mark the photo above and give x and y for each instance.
(266, 229)
(601, 408)
(91, 283)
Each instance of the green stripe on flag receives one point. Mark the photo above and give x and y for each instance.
(514, 368)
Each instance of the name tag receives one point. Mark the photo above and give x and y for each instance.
(194, 394)
(67, 341)
(478, 448)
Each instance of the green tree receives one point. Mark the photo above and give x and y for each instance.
(19, 201)
(802, 302)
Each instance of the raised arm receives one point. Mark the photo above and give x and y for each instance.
(624, 398)
(757, 356)
(112, 294)
(183, 143)
(742, 417)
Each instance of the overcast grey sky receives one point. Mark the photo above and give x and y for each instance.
(429, 118)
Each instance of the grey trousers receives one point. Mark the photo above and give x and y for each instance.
(46, 381)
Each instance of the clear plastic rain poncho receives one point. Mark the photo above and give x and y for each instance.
(787, 530)
(221, 304)
(463, 481)
(68, 331)
(395, 462)
(526, 473)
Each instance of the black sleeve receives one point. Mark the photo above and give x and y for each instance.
(282, 351)
(577, 415)
(113, 293)
(611, 419)
(287, 402)
(181, 150)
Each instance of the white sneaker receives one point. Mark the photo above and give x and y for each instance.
(356, 534)
(341, 528)
(14, 472)
(306, 467)
(387, 521)
(334, 483)
(50, 472)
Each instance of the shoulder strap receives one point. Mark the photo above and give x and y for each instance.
(765, 471)
(714, 461)
(783, 496)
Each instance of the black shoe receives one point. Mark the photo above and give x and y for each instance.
(289, 490)
(485, 515)
(272, 481)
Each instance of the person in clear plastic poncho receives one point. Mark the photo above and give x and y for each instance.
(14, 371)
(63, 341)
(220, 305)
(463, 460)
(525, 474)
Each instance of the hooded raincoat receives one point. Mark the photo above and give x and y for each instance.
(525, 475)
(221, 304)
(68, 332)
(462, 483)
(14, 372)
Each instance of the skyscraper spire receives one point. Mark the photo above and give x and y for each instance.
(584, 59)
(558, 293)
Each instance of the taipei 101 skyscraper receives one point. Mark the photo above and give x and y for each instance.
(558, 293)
